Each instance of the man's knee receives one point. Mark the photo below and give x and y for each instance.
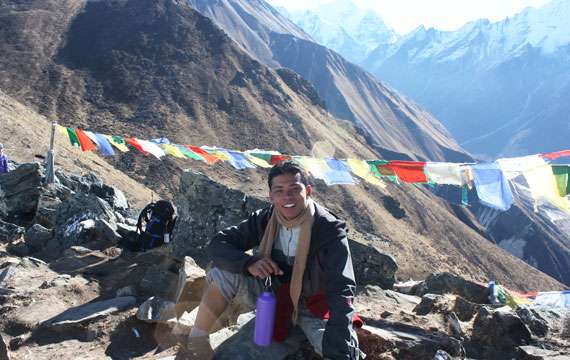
(226, 282)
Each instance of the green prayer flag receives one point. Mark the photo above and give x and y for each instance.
(562, 176)
(73, 137)
(118, 139)
(189, 153)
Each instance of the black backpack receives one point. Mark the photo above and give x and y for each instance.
(158, 219)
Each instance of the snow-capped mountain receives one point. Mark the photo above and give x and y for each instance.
(344, 27)
(501, 88)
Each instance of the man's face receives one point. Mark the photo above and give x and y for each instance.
(289, 194)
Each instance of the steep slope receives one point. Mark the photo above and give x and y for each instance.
(392, 123)
(500, 88)
(150, 68)
(169, 70)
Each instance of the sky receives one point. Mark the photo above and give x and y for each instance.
(405, 15)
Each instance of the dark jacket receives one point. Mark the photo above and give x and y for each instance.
(329, 269)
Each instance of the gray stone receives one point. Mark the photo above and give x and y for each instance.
(90, 311)
(82, 219)
(190, 283)
(373, 267)
(37, 237)
(501, 328)
(442, 355)
(156, 310)
(409, 342)
(126, 291)
(428, 304)
(4, 354)
(530, 352)
(48, 203)
(447, 283)
(206, 207)
(19, 248)
(10, 232)
(158, 280)
(533, 320)
(19, 193)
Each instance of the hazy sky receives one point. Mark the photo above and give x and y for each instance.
(405, 15)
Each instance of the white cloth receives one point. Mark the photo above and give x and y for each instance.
(151, 147)
(559, 299)
(444, 173)
(92, 137)
(539, 177)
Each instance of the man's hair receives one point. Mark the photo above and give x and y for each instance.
(287, 167)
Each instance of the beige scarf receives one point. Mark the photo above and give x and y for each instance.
(305, 220)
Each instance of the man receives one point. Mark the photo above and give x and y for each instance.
(302, 247)
(3, 161)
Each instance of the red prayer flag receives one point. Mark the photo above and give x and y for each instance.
(276, 159)
(210, 159)
(135, 143)
(409, 171)
(556, 155)
(84, 141)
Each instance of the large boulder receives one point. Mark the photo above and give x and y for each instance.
(37, 237)
(447, 283)
(206, 207)
(92, 184)
(500, 328)
(10, 232)
(373, 267)
(19, 193)
(82, 219)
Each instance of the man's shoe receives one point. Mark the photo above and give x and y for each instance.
(197, 348)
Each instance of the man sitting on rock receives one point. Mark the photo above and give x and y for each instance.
(304, 249)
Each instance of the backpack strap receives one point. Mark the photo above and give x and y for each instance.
(144, 215)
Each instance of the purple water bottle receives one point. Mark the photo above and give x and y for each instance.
(265, 316)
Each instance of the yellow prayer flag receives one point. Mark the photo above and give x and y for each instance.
(172, 150)
(121, 147)
(361, 169)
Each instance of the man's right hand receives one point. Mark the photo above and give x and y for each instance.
(264, 268)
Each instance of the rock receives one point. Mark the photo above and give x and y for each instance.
(442, 355)
(464, 309)
(19, 248)
(90, 311)
(446, 283)
(406, 342)
(82, 219)
(37, 237)
(454, 326)
(19, 193)
(430, 304)
(533, 320)
(158, 280)
(191, 279)
(126, 291)
(10, 232)
(501, 329)
(156, 310)
(4, 354)
(373, 267)
(205, 207)
(48, 202)
(530, 352)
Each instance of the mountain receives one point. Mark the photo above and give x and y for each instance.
(502, 89)
(394, 126)
(344, 27)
